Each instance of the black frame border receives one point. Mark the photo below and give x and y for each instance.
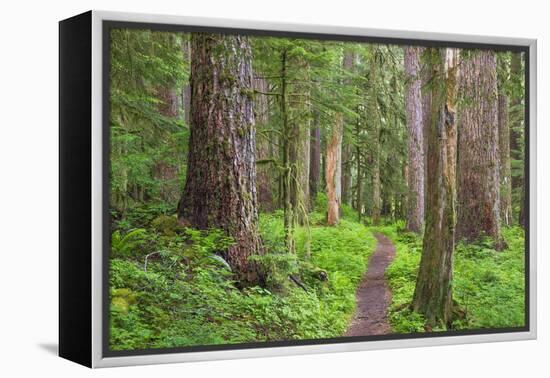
(108, 25)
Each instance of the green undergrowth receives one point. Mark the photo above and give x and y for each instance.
(185, 295)
(488, 286)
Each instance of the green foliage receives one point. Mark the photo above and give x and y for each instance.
(488, 286)
(125, 245)
(186, 297)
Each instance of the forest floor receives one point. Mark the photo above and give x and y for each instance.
(373, 295)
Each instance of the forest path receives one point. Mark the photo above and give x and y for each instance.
(373, 295)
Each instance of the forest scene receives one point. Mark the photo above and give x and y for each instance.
(274, 189)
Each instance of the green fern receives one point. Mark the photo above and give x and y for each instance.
(125, 245)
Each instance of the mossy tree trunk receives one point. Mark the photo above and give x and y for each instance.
(299, 140)
(433, 295)
(220, 190)
(478, 145)
(415, 166)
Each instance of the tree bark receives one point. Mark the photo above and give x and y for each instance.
(516, 124)
(333, 164)
(346, 173)
(505, 167)
(263, 150)
(358, 161)
(299, 153)
(333, 170)
(375, 127)
(478, 145)
(186, 90)
(426, 110)
(415, 166)
(433, 295)
(315, 162)
(220, 190)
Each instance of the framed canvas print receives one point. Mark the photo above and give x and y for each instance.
(234, 189)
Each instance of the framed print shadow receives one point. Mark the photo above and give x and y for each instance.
(234, 189)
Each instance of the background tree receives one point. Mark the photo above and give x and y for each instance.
(415, 164)
(220, 190)
(148, 135)
(478, 146)
(374, 118)
(517, 134)
(504, 139)
(315, 160)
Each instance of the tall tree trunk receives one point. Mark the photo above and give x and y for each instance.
(478, 159)
(358, 161)
(315, 161)
(347, 148)
(516, 124)
(346, 172)
(333, 165)
(299, 154)
(426, 109)
(433, 295)
(413, 102)
(333, 170)
(286, 175)
(263, 150)
(186, 90)
(220, 190)
(505, 167)
(375, 127)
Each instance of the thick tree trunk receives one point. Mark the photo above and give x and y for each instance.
(478, 145)
(433, 295)
(314, 162)
(413, 102)
(505, 167)
(220, 190)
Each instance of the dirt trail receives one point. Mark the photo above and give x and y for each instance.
(373, 294)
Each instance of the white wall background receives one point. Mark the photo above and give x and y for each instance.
(28, 189)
